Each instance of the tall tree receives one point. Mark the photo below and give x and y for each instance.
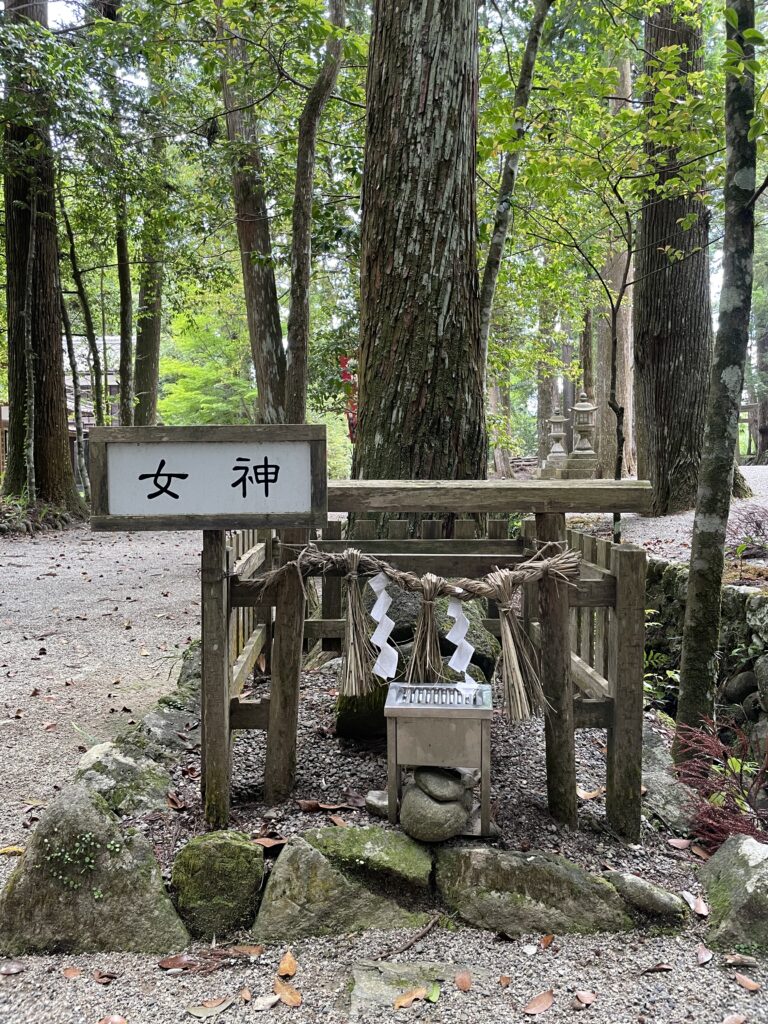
(421, 360)
(29, 188)
(698, 670)
(672, 312)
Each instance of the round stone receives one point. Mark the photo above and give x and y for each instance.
(442, 784)
(428, 820)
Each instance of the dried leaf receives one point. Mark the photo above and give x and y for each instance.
(703, 955)
(268, 842)
(408, 998)
(288, 965)
(246, 950)
(113, 1018)
(463, 981)
(211, 1007)
(11, 967)
(334, 807)
(11, 851)
(49, 726)
(540, 1003)
(700, 908)
(245, 995)
(700, 852)
(505, 980)
(337, 820)
(586, 998)
(181, 961)
(546, 941)
(747, 983)
(589, 794)
(309, 806)
(103, 977)
(680, 844)
(739, 960)
(735, 1018)
(689, 898)
(261, 1003)
(286, 992)
(657, 969)
(175, 802)
(72, 972)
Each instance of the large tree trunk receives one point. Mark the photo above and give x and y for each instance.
(301, 238)
(29, 172)
(698, 670)
(126, 311)
(149, 322)
(673, 317)
(762, 394)
(585, 355)
(421, 369)
(608, 324)
(76, 402)
(252, 220)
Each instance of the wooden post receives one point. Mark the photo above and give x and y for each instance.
(465, 529)
(331, 598)
(603, 548)
(280, 766)
(265, 536)
(397, 529)
(626, 641)
(556, 680)
(586, 628)
(431, 529)
(215, 742)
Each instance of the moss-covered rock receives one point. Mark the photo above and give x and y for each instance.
(522, 893)
(433, 821)
(164, 734)
(216, 880)
(375, 852)
(736, 881)
(487, 647)
(127, 782)
(83, 885)
(307, 895)
(666, 798)
(648, 898)
(362, 718)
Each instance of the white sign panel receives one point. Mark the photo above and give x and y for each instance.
(198, 478)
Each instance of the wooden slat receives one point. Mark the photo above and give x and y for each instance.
(626, 633)
(573, 540)
(603, 562)
(586, 678)
(464, 529)
(556, 681)
(243, 667)
(259, 432)
(586, 628)
(419, 546)
(489, 496)
(431, 529)
(592, 714)
(250, 560)
(249, 714)
(364, 529)
(330, 601)
(397, 529)
(587, 594)
(215, 747)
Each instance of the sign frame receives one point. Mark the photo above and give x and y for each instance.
(100, 438)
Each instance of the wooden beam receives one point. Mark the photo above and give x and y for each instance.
(433, 546)
(249, 714)
(465, 496)
(588, 680)
(592, 714)
(251, 560)
(247, 659)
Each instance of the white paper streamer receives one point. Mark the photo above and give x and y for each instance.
(462, 656)
(386, 663)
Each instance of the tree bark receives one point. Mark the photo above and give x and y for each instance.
(85, 309)
(503, 215)
(698, 670)
(301, 239)
(253, 233)
(29, 355)
(421, 363)
(27, 159)
(762, 394)
(673, 317)
(149, 322)
(585, 355)
(126, 311)
(77, 403)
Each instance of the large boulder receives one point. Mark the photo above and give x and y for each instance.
(761, 680)
(164, 734)
(741, 685)
(377, 984)
(433, 821)
(375, 852)
(736, 880)
(216, 878)
(127, 780)
(666, 798)
(307, 895)
(83, 885)
(524, 893)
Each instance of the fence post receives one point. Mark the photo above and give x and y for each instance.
(586, 618)
(215, 739)
(626, 641)
(331, 596)
(280, 764)
(556, 680)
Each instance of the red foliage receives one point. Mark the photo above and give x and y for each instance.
(719, 772)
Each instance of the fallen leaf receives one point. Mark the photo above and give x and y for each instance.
(540, 1003)
(245, 995)
(175, 802)
(463, 981)
(433, 993)
(72, 972)
(113, 1018)
(261, 1003)
(408, 998)
(181, 961)
(700, 852)
(211, 1007)
(680, 844)
(11, 851)
(287, 993)
(334, 807)
(747, 983)
(739, 960)
(703, 955)
(11, 967)
(247, 950)
(268, 843)
(700, 908)
(288, 965)
(546, 941)
(505, 980)
(308, 806)
(584, 997)
(49, 726)
(657, 969)
(103, 977)
(735, 1018)
(337, 820)
(591, 794)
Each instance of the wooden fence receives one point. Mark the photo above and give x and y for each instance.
(591, 636)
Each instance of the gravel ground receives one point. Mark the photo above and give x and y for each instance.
(88, 609)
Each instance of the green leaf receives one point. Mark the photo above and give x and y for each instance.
(433, 993)
(731, 17)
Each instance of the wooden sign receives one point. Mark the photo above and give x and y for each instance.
(208, 478)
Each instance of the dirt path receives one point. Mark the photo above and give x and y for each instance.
(92, 626)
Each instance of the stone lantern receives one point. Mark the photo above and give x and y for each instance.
(584, 425)
(557, 453)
